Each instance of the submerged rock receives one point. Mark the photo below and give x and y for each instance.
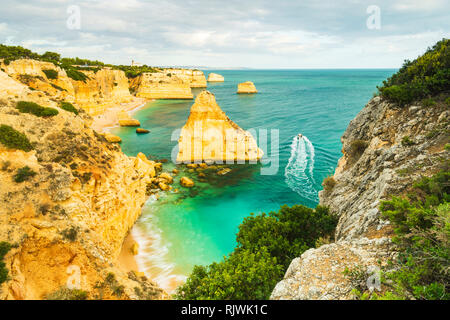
(186, 182)
(141, 130)
(209, 135)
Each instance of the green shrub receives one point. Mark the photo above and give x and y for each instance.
(68, 107)
(421, 223)
(406, 141)
(4, 249)
(328, 184)
(57, 87)
(426, 76)
(447, 101)
(447, 147)
(65, 293)
(266, 244)
(50, 74)
(14, 139)
(35, 109)
(428, 102)
(23, 174)
(70, 234)
(75, 74)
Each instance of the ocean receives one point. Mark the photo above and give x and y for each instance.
(198, 226)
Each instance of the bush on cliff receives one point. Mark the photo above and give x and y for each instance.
(14, 139)
(266, 244)
(4, 249)
(68, 107)
(75, 74)
(422, 232)
(50, 74)
(35, 109)
(424, 77)
(24, 174)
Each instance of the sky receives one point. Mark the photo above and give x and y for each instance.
(229, 33)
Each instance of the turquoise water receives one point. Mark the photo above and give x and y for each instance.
(198, 226)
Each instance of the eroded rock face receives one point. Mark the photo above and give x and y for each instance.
(103, 89)
(77, 208)
(209, 135)
(195, 78)
(246, 87)
(161, 85)
(385, 167)
(214, 77)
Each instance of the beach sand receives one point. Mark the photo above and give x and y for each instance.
(126, 260)
(103, 122)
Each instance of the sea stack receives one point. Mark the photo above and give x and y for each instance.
(214, 77)
(209, 135)
(246, 87)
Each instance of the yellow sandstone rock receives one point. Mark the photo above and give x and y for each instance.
(209, 135)
(186, 182)
(134, 248)
(159, 85)
(195, 78)
(126, 121)
(246, 87)
(214, 77)
(166, 176)
(112, 138)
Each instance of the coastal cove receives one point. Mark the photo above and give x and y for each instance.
(198, 225)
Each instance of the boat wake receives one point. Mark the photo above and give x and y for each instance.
(300, 168)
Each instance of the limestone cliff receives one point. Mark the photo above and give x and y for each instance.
(195, 78)
(209, 135)
(214, 77)
(75, 209)
(103, 89)
(160, 85)
(375, 166)
(246, 87)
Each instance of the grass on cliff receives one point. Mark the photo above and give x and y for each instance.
(14, 139)
(35, 109)
(426, 76)
(266, 245)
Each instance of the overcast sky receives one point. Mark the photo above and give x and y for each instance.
(229, 33)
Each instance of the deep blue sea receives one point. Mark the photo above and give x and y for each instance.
(198, 226)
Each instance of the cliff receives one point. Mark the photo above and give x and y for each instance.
(246, 87)
(195, 78)
(376, 164)
(101, 90)
(67, 204)
(209, 135)
(214, 77)
(160, 85)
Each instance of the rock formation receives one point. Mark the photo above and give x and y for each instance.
(246, 87)
(102, 90)
(214, 77)
(363, 180)
(126, 121)
(74, 212)
(195, 78)
(209, 135)
(160, 85)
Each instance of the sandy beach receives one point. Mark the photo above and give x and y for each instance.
(126, 260)
(109, 119)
